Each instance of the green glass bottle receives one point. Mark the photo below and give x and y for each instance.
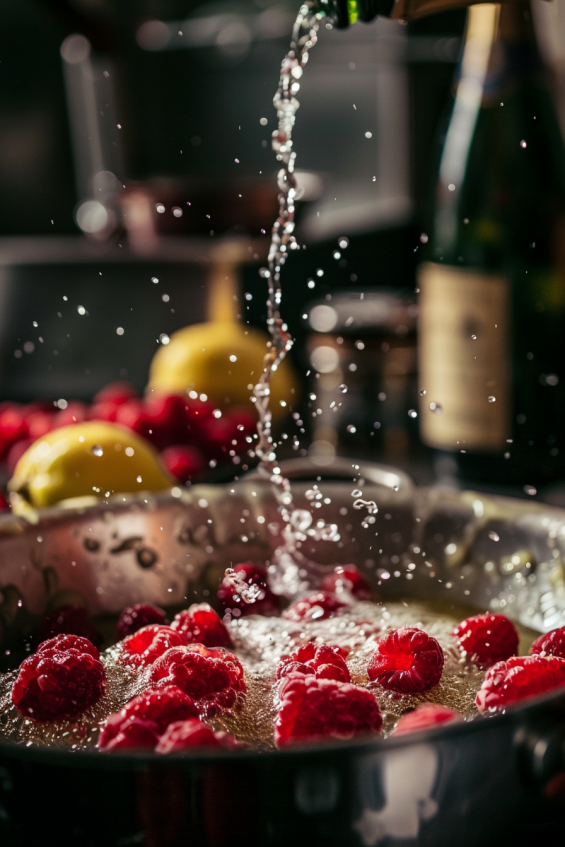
(492, 286)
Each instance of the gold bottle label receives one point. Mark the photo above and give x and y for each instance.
(464, 358)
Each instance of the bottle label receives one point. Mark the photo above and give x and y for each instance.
(464, 358)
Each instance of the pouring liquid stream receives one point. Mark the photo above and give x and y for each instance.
(291, 571)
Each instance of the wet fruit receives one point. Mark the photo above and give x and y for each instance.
(407, 660)
(147, 644)
(244, 591)
(201, 625)
(145, 718)
(69, 619)
(135, 617)
(424, 717)
(346, 578)
(518, 678)
(315, 607)
(313, 709)
(487, 639)
(183, 735)
(323, 662)
(551, 643)
(92, 458)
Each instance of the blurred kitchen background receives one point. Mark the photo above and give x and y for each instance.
(135, 145)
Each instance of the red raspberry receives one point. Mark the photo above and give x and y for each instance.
(324, 662)
(185, 462)
(518, 678)
(60, 643)
(550, 644)
(53, 685)
(315, 607)
(201, 625)
(16, 452)
(166, 415)
(39, 423)
(76, 412)
(71, 619)
(406, 660)
(347, 578)
(133, 618)
(4, 502)
(147, 644)
(13, 425)
(192, 733)
(217, 436)
(322, 708)
(213, 678)
(145, 718)
(116, 392)
(487, 638)
(425, 716)
(247, 592)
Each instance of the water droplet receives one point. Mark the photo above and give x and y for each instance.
(492, 399)
(301, 520)
(164, 338)
(80, 309)
(436, 408)
(120, 330)
(423, 392)
(494, 536)
(530, 489)
(412, 413)
(342, 388)
(343, 242)
(351, 428)
(98, 451)
(523, 144)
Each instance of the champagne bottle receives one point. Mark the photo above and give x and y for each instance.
(492, 286)
(345, 12)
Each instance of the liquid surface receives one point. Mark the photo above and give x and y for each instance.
(259, 642)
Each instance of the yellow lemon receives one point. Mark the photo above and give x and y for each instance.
(223, 360)
(85, 459)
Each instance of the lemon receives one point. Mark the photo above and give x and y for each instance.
(223, 360)
(85, 459)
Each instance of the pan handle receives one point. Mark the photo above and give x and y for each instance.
(305, 468)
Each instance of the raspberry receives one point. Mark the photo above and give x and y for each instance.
(322, 708)
(192, 733)
(76, 412)
(550, 644)
(147, 644)
(406, 660)
(213, 678)
(487, 638)
(315, 607)
(61, 643)
(16, 452)
(347, 578)
(200, 624)
(247, 592)
(324, 662)
(145, 718)
(71, 619)
(518, 678)
(185, 462)
(133, 618)
(425, 716)
(53, 685)
(115, 392)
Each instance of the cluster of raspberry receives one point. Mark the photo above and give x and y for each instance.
(192, 676)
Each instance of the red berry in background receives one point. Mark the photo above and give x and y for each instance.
(487, 638)
(217, 436)
(103, 411)
(315, 607)
(13, 425)
(39, 423)
(197, 415)
(213, 678)
(133, 415)
(60, 643)
(166, 416)
(58, 685)
(324, 662)
(348, 579)
(313, 709)
(200, 624)
(407, 660)
(184, 462)
(424, 717)
(76, 412)
(4, 503)
(135, 617)
(71, 619)
(183, 735)
(550, 644)
(517, 678)
(145, 718)
(148, 644)
(245, 590)
(16, 452)
(116, 393)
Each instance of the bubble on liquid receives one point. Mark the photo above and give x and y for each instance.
(97, 450)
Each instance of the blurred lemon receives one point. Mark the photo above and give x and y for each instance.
(85, 459)
(223, 360)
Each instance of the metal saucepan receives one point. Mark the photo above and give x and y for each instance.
(476, 783)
